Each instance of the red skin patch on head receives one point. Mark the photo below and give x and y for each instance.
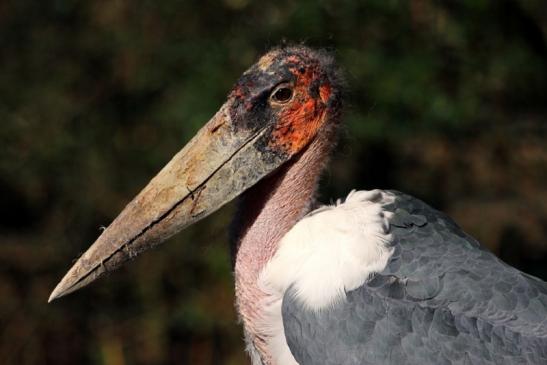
(324, 92)
(301, 119)
(298, 125)
(294, 59)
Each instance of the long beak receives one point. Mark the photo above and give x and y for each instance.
(218, 164)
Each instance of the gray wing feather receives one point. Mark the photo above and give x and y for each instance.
(442, 299)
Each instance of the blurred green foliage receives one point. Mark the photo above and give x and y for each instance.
(447, 101)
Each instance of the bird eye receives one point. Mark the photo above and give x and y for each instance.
(282, 94)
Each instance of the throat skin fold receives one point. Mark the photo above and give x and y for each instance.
(266, 212)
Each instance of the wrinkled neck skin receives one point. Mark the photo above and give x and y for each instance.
(266, 212)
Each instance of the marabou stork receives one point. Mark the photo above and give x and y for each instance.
(379, 278)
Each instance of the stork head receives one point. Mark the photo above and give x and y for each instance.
(274, 111)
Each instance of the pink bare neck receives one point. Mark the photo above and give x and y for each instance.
(266, 212)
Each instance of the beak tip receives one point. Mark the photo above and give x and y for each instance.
(77, 277)
(55, 294)
(60, 290)
(67, 285)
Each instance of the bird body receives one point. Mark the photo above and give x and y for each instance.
(380, 278)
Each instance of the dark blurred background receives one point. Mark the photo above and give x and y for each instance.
(447, 101)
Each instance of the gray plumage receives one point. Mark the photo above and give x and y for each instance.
(442, 299)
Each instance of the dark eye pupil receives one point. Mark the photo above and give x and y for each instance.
(282, 94)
